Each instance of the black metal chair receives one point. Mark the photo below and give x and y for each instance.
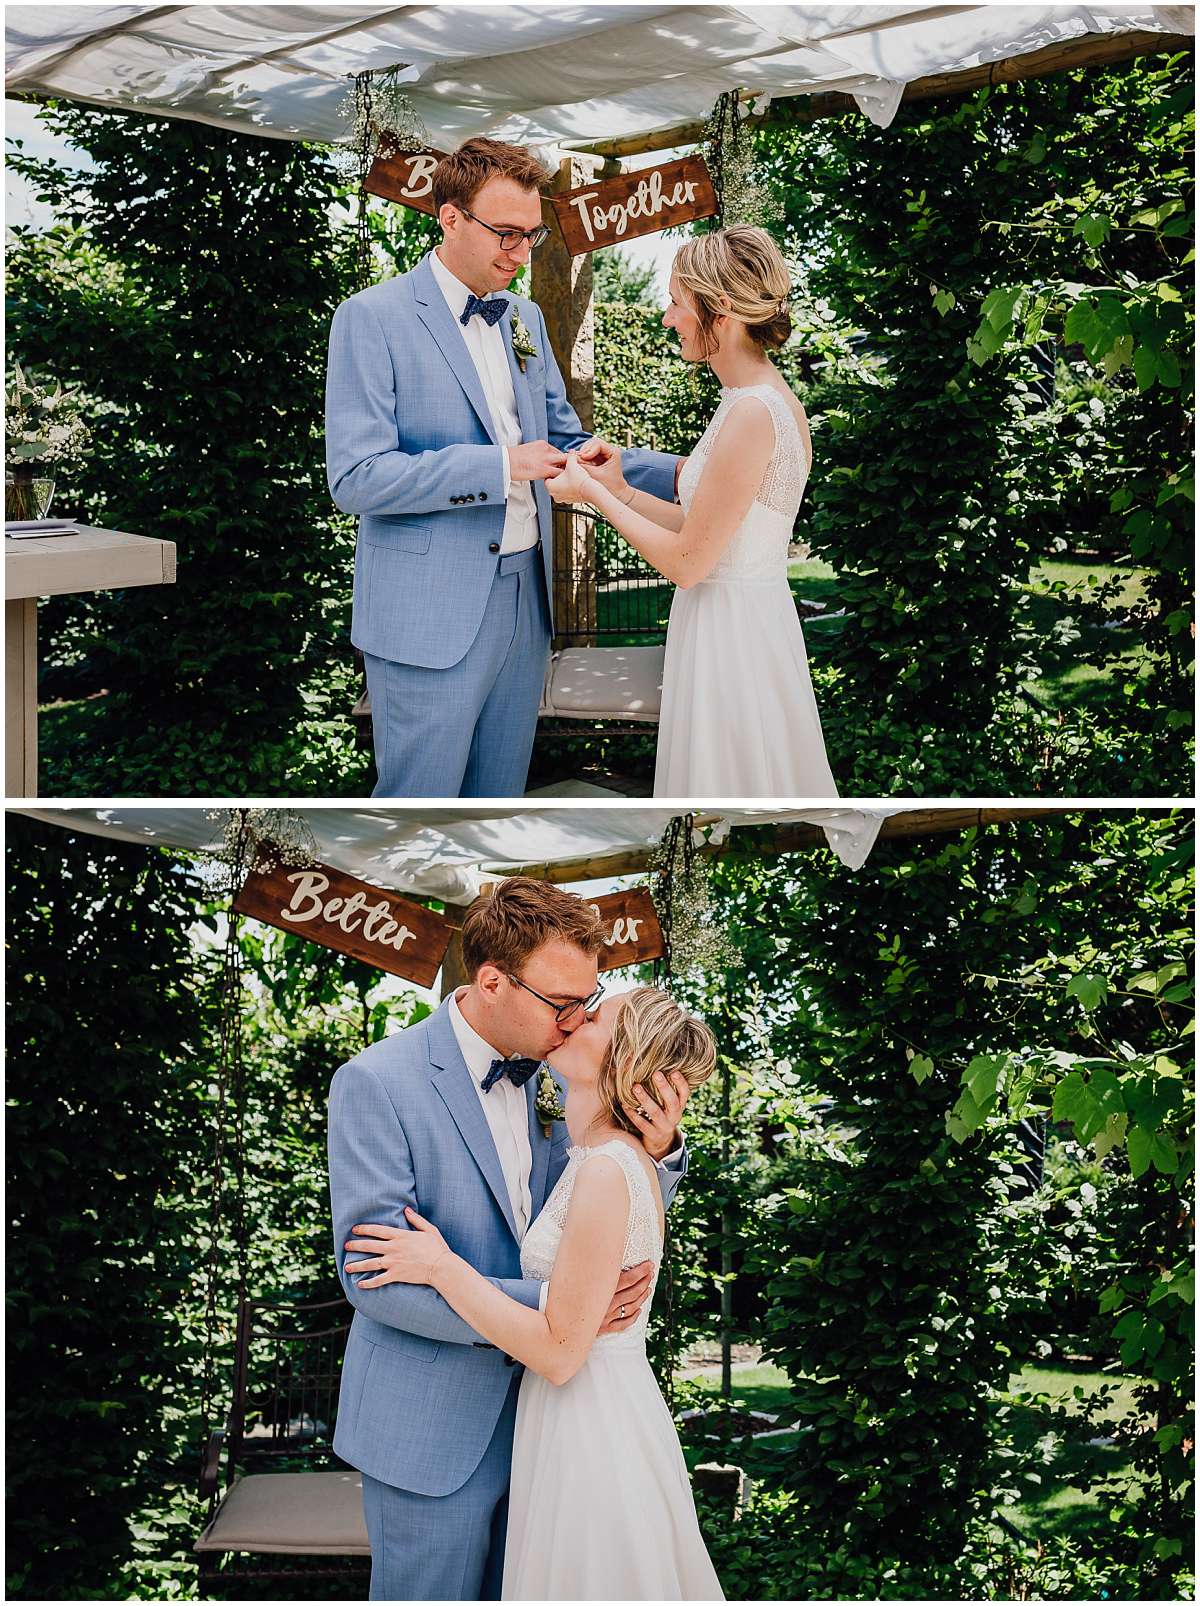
(282, 1506)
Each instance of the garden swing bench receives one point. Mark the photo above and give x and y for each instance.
(285, 1507)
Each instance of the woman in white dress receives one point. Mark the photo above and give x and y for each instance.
(600, 1506)
(739, 718)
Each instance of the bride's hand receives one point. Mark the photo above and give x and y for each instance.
(657, 1119)
(574, 484)
(399, 1256)
(603, 461)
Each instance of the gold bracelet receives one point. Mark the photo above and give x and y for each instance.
(630, 497)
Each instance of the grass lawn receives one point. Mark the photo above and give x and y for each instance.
(1061, 1506)
(1068, 679)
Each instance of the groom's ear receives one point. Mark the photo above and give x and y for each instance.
(489, 979)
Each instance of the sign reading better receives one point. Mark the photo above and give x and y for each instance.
(378, 927)
(407, 178)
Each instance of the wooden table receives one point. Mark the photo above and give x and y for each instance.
(55, 566)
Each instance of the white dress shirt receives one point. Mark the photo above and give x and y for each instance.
(485, 346)
(506, 1109)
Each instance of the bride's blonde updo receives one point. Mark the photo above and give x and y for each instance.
(651, 1033)
(744, 265)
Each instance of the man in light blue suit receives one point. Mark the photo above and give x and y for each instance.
(442, 1117)
(445, 414)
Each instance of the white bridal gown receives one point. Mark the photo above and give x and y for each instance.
(739, 718)
(600, 1507)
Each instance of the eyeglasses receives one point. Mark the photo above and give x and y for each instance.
(562, 1012)
(511, 238)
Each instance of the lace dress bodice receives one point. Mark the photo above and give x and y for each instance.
(643, 1239)
(759, 548)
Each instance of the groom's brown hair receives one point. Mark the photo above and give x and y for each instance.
(519, 917)
(459, 177)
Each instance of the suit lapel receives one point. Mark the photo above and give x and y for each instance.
(439, 320)
(457, 1091)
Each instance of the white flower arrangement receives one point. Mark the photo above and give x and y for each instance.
(43, 422)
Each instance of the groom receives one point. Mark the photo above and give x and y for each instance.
(427, 1408)
(445, 414)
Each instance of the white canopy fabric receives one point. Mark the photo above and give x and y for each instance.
(537, 75)
(448, 853)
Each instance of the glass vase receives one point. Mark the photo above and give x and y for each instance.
(27, 494)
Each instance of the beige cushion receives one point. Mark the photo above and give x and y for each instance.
(293, 1513)
(604, 683)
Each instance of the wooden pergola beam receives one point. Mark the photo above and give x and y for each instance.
(1094, 50)
(784, 839)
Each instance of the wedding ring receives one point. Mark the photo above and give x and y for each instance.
(621, 1314)
(643, 1112)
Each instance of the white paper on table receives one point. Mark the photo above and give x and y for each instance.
(26, 529)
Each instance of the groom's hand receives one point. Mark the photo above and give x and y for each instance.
(632, 1287)
(535, 460)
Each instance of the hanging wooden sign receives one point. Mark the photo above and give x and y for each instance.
(616, 209)
(407, 178)
(633, 932)
(378, 927)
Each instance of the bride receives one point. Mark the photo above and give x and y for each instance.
(739, 718)
(600, 1506)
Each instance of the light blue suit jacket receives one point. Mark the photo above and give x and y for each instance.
(410, 448)
(421, 1392)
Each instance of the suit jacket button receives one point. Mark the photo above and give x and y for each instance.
(470, 498)
(483, 496)
(494, 546)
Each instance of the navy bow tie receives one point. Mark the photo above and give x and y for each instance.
(490, 311)
(518, 1072)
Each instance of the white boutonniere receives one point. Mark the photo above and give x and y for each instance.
(546, 1105)
(523, 346)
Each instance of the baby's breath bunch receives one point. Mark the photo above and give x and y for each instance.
(731, 159)
(683, 898)
(271, 837)
(382, 121)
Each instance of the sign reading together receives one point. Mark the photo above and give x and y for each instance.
(617, 209)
